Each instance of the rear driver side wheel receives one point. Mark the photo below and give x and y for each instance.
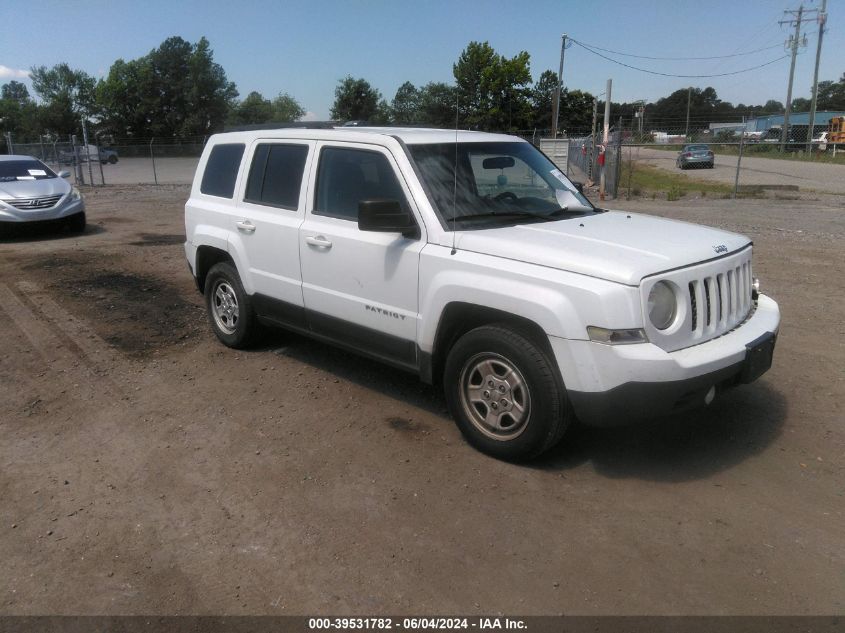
(229, 308)
(504, 393)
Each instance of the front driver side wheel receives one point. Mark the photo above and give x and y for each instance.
(504, 393)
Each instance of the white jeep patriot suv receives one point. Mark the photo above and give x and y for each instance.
(470, 259)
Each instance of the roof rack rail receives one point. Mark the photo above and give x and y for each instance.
(304, 125)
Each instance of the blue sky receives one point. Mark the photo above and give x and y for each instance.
(304, 48)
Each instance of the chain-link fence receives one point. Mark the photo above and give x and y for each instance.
(667, 163)
(676, 163)
(120, 161)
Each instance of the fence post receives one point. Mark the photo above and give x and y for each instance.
(618, 160)
(88, 152)
(738, 161)
(152, 156)
(100, 161)
(77, 168)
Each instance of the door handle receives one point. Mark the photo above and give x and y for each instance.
(319, 241)
(245, 226)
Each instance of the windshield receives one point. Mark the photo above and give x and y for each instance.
(697, 148)
(496, 183)
(24, 169)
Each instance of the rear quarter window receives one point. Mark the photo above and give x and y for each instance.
(221, 170)
(275, 176)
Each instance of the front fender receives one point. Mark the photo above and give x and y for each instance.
(563, 304)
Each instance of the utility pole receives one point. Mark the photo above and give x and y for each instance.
(689, 98)
(822, 18)
(556, 104)
(793, 43)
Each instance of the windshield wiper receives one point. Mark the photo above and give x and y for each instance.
(519, 213)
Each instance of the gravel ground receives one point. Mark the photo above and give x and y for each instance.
(145, 468)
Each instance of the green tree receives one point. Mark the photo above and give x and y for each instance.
(175, 90)
(286, 108)
(15, 91)
(493, 90)
(254, 109)
(124, 104)
(800, 105)
(542, 100)
(405, 107)
(576, 111)
(18, 112)
(437, 105)
(831, 95)
(67, 96)
(474, 74)
(773, 107)
(354, 100)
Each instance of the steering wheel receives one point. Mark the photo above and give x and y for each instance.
(506, 195)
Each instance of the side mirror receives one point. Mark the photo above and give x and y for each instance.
(64, 174)
(386, 216)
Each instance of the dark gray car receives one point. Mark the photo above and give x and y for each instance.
(32, 192)
(697, 155)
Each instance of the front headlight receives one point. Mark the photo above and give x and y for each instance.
(75, 195)
(662, 305)
(616, 337)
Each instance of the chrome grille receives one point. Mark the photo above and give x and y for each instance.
(713, 299)
(33, 204)
(721, 301)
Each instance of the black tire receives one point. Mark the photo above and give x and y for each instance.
(112, 159)
(229, 307)
(532, 384)
(76, 223)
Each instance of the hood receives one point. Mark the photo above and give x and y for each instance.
(615, 245)
(34, 188)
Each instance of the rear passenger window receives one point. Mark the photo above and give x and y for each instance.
(275, 176)
(347, 176)
(221, 170)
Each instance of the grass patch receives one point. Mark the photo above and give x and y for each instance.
(653, 180)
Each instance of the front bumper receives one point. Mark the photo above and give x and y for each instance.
(613, 384)
(697, 160)
(63, 209)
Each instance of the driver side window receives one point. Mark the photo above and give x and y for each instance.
(347, 176)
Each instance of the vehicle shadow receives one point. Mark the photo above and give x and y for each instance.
(42, 233)
(387, 380)
(740, 423)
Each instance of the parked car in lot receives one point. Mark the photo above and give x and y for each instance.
(103, 154)
(32, 192)
(698, 155)
(472, 261)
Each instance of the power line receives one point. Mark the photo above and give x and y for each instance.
(607, 50)
(654, 72)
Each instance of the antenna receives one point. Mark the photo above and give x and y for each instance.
(455, 171)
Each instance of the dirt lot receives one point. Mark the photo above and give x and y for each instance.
(145, 468)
